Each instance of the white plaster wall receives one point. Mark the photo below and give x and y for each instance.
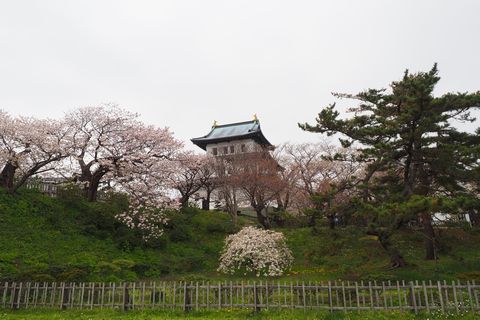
(250, 145)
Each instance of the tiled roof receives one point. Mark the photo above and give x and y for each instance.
(233, 131)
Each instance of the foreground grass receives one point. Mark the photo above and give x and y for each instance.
(222, 314)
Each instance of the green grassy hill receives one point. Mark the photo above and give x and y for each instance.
(68, 239)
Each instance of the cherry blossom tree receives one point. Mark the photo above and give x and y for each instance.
(289, 175)
(111, 143)
(147, 185)
(113, 146)
(148, 198)
(253, 250)
(251, 178)
(226, 171)
(30, 147)
(186, 177)
(325, 179)
(209, 182)
(257, 176)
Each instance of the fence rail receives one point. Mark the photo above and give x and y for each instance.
(333, 296)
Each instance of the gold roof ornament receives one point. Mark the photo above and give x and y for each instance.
(214, 123)
(255, 118)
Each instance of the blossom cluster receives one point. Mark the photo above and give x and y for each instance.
(262, 252)
(148, 220)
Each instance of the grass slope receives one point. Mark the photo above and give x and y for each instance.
(67, 239)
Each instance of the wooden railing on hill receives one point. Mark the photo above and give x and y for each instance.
(333, 296)
(48, 187)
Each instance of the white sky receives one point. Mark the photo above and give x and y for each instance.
(183, 64)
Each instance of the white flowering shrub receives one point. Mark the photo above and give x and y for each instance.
(149, 221)
(263, 252)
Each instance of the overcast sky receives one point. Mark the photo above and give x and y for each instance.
(183, 64)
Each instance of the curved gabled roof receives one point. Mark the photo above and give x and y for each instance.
(233, 131)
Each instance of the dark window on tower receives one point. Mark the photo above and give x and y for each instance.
(225, 150)
(232, 149)
(243, 148)
(214, 151)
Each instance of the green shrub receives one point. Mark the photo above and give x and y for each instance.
(179, 227)
(74, 274)
(41, 277)
(469, 276)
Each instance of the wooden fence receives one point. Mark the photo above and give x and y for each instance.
(333, 296)
(47, 187)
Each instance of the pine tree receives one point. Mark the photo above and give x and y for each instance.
(418, 162)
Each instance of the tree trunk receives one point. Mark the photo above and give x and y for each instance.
(263, 220)
(331, 221)
(7, 176)
(231, 203)
(234, 218)
(312, 222)
(91, 180)
(184, 201)
(92, 189)
(313, 218)
(206, 202)
(396, 258)
(91, 193)
(429, 234)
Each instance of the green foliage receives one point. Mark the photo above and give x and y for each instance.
(287, 219)
(416, 162)
(70, 239)
(32, 248)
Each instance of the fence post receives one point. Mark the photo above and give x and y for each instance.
(266, 294)
(370, 291)
(82, 294)
(126, 297)
(243, 294)
(5, 289)
(330, 300)
(303, 295)
(208, 294)
(196, 295)
(425, 294)
(399, 297)
(53, 295)
(440, 298)
(460, 287)
(455, 297)
(475, 294)
(13, 295)
(357, 295)
(19, 298)
(219, 295)
(384, 293)
(186, 297)
(292, 303)
(413, 297)
(470, 296)
(255, 297)
(62, 296)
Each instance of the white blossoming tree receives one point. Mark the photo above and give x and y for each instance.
(30, 147)
(113, 144)
(253, 250)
